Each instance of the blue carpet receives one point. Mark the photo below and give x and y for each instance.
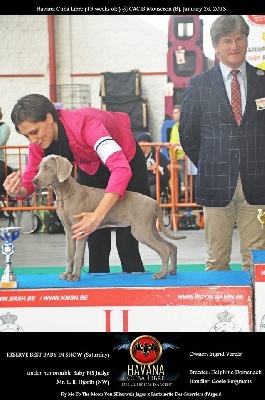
(258, 256)
(114, 268)
(224, 278)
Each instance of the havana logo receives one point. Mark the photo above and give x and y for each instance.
(145, 351)
(145, 360)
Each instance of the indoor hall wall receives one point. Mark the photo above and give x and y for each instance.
(87, 46)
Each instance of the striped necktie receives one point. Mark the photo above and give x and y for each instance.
(236, 97)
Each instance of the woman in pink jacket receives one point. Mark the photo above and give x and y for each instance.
(102, 146)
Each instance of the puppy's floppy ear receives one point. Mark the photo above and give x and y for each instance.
(64, 168)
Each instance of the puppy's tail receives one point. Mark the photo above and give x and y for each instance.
(162, 225)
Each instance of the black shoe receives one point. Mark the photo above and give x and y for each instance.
(183, 223)
(133, 269)
(192, 223)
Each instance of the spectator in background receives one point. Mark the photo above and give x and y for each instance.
(179, 156)
(4, 169)
(145, 140)
(177, 153)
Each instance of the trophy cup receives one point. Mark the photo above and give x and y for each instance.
(9, 234)
(261, 217)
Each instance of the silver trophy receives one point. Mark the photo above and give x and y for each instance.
(9, 234)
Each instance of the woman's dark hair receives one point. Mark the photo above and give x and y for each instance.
(33, 108)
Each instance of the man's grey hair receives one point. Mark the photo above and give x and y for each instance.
(228, 25)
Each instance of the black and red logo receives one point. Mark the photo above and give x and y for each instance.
(146, 350)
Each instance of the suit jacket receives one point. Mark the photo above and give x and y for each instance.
(215, 144)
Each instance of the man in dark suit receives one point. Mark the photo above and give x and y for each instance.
(228, 149)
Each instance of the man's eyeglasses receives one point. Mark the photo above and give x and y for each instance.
(228, 42)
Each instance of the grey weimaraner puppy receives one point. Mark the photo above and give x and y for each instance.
(73, 198)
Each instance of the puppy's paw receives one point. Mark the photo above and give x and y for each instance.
(159, 275)
(73, 277)
(172, 271)
(64, 276)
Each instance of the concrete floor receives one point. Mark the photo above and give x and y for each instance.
(44, 249)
